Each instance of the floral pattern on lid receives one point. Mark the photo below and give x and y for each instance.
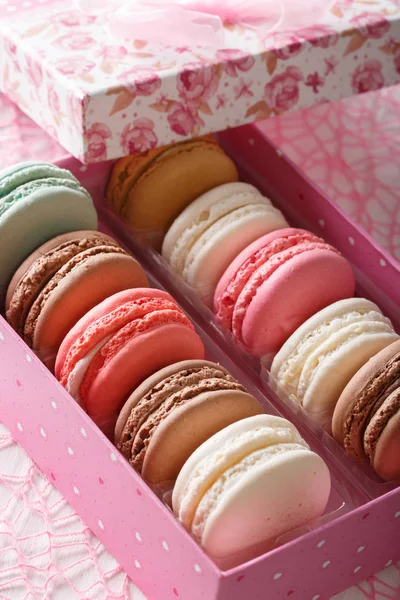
(57, 52)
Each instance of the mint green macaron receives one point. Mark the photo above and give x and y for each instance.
(38, 201)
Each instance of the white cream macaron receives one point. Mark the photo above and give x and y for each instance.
(212, 230)
(323, 354)
(249, 484)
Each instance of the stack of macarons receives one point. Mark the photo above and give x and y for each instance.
(285, 294)
(240, 478)
(228, 242)
(54, 265)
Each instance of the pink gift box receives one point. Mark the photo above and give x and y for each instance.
(103, 96)
(358, 533)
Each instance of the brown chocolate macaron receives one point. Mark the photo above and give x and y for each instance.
(366, 421)
(174, 411)
(61, 281)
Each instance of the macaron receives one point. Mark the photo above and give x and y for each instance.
(118, 344)
(249, 484)
(37, 202)
(149, 190)
(276, 284)
(319, 359)
(214, 229)
(63, 279)
(174, 411)
(366, 421)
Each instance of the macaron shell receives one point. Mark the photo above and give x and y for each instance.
(99, 311)
(169, 185)
(212, 255)
(280, 494)
(97, 278)
(295, 291)
(37, 218)
(188, 426)
(139, 358)
(387, 453)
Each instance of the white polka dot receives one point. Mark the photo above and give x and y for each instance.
(137, 564)
(19, 426)
(165, 545)
(326, 564)
(1, 337)
(279, 152)
(113, 457)
(27, 4)
(76, 491)
(321, 543)
(101, 525)
(42, 432)
(11, 8)
(83, 168)
(54, 404)
(360, 549)
(83, 432)
(357, 569)
(316, 597)
(28, 358)
(70, 451)
(321, 223)
(197, 568)
(352, 241)
(389, 562)
(277, 576)
(397, 515)
(383, 262)
(251, 142)
(138, 536)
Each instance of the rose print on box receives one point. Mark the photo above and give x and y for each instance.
(281, 94)
(97, 137)
(138, 136)
(368, 77)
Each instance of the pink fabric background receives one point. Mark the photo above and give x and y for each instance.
(46, 551)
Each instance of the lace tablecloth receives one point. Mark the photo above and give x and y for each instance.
(46, 551)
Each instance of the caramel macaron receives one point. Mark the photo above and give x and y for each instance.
(62, 280)
(366, 421)
(174, 411)
(148, 191)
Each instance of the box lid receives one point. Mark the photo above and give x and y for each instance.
(103, 96)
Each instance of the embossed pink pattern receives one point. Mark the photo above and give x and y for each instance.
(351, 150)
(46, 551)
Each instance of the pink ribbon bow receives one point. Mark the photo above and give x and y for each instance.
(184, 22)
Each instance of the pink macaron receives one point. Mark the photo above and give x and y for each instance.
(118, 344)
(276, 284)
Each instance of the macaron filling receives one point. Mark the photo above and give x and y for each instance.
(24, 190)
(226, 302)
(25, 172)
(43, 276)
(157, 404)
(380, 420)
